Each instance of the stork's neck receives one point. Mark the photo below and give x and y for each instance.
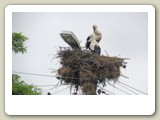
(94, 29)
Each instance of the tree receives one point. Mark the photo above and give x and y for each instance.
(18, 43)
(19, 87)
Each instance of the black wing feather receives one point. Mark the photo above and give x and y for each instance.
(88, 38)
(87, 44)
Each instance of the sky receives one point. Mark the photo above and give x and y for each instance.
(124, 34)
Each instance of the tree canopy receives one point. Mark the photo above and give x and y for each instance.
(19, 87)
(18, 43)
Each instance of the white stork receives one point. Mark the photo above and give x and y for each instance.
(97, 33)
(93, 40)
(92, 44)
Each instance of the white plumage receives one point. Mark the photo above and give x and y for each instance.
(92, 44)
(97, 33)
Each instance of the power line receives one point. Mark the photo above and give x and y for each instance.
(55, 86)
(132, 88)
(119, 88)
(45, 85)
(34, 74)
(60, 90)
(124, 76)
(43, 75)
(48, 89)
(127, 88)
(108, 91)
(52, 87)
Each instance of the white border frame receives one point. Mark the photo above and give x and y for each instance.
(79, 105)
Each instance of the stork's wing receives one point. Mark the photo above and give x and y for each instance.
(87, 44)
(70, 39)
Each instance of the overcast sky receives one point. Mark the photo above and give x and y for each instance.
(123, 35)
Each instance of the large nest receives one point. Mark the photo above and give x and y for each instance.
(82, 66)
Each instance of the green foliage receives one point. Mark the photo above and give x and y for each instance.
(18, 45)
(21, 88)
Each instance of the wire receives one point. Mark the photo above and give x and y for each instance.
(124, 76)
(109, 91)
(60, 90)
(132, 88)
(45, 85)
(47, 75)
(34, 74)
(119, 88)
(52, 87)
(78, 78)
(127, 88)
(42, 75)
(53, 70)
(48, 89)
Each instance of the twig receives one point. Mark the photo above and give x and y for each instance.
(126, 58)
(106, 52)
(124, 76)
